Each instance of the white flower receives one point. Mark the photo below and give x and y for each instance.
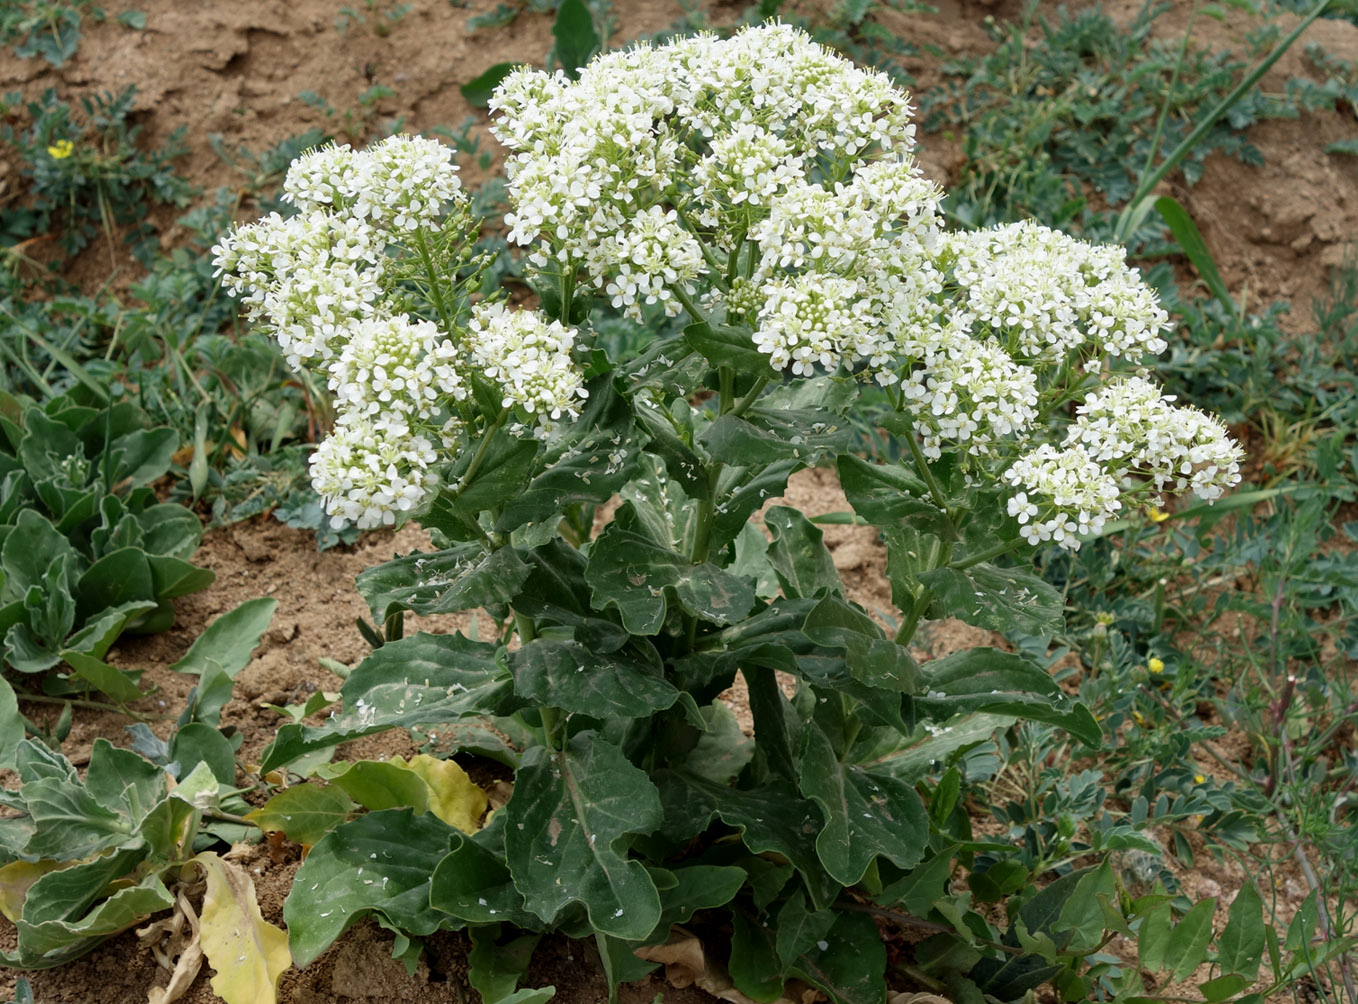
(1066, 495)
(529, 358)
(405, 182)
(366, 474)
(648, 259)
(812, 320)
(396, 365)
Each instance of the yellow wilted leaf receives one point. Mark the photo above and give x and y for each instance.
(249, 954)
(452, 795)
(15, 878)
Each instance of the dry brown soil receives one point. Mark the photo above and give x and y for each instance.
(236, 69)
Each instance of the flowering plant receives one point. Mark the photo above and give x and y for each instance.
(761, 188)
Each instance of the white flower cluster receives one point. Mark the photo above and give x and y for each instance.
(1128, 434)
(400, 183)
(322, 283)
(1046, 293)
(529, 357)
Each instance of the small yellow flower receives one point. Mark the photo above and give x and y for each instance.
(1139, 718)
(1155, 666)
(61, 149)
(1199, 778)
(1156, 515)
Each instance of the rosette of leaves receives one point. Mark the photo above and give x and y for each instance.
(84, 856)
(87, 550)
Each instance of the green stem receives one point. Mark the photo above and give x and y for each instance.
(743, 405)
(435, 292)
(972, 560)
(906, 633)
(80, 702)
(688, 304)
(481, 449)
(726, 378)
(927, 474)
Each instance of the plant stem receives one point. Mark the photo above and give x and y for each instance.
(435, 292)
(481, 449)
(689, 305)
(80, 702)
(743, 405)
(906, 632)
(1124, 224)
(726, 378)
(971, 560)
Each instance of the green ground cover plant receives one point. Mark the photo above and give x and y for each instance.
(87, 550)
(635, 803)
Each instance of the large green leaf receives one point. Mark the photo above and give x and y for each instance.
(11, 725)
(871, 659)
(849, 964)
(58, 922)
(773, 818)
(229, 641)
(590, 470)
(462, 577)
(726, 345)
(70, 823)
(576, 39)
(124, 782)
(473, 884)
(867, 813)
(739, 442)
(988, 680)
(566, 830)
(628, 571)
(29, 554)
(424, 679)
(799, 555)
(743, 490)
(379, 864)
(142, 456)
(883, 493)
(572, 677)
(1007, 600)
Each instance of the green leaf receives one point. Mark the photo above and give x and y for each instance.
(723, 750)
(754, 965)
(1241, 947)
(473, 884)
(799, 555)
(29, 553)
(698, 887)
(60, 938)
(172, 577)
(11, 725)
(799, 928)
(124, 782)
(565, 835)
(1185, 231)
(1154, 937)
(576, 39)
(870, 658)
(714, 595)
(119, 684)
(70, 823)
(772, 819)
(1223, 987)
(744, 490)
(142, 456)
(591, 469)
(502, 475)
(304, 813)
(629, 572)
(1082, 913)
(849, 965)
(867, 813)
(134, 19)
(463, 577)
(570, 676)
(1007, 600)
(478, 92)
(424, 679)
(883, 493)
(494, 968)
(1188, 947)
(738, 442)
(988, 680)
(99, 634)
(724, 345)
(378, 784)
(230, 640)
(925, 885)
(379, 864)
(199, 742)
